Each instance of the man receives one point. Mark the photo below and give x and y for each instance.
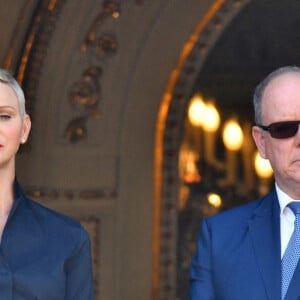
(241, 252)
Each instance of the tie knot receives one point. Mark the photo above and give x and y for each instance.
(295, 207)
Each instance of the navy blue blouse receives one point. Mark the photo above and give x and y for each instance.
(44, 255)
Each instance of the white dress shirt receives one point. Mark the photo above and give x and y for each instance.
(287, 218)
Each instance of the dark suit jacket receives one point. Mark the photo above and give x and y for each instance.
(238, 255)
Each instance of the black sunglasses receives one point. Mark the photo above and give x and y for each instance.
(282, 130)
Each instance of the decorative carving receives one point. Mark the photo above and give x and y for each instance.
(76, 130)
(85, 94)
(99, 43)
(105, 45)
(69, 195)
(84, 97)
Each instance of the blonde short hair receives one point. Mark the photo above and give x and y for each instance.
(7, 78)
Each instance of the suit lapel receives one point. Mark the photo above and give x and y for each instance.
(265, 232)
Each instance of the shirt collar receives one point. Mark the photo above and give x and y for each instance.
(283, 198)
(18, 196)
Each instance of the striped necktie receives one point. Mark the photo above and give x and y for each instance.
(292, 253)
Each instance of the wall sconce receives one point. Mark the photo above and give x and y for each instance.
(203, 114)
(211, 118)
(262, 166)
(222, 152)
(233, 136)
(214, 200)
(264, 172)
(196, 110)
(187, 166)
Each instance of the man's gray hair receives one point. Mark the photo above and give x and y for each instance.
(261, 87)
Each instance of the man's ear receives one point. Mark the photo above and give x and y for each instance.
(259, 139)
(26, 128)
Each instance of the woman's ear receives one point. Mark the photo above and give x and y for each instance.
(26, 128)
(259, 139)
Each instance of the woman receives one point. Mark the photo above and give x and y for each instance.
(43, 254)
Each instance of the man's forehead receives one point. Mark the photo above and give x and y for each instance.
(283, 84)
(284, 78)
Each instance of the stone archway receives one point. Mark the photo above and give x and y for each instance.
(168, 137)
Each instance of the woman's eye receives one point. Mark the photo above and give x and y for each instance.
(5, 117)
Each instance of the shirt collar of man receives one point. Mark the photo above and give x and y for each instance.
(283, 198)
